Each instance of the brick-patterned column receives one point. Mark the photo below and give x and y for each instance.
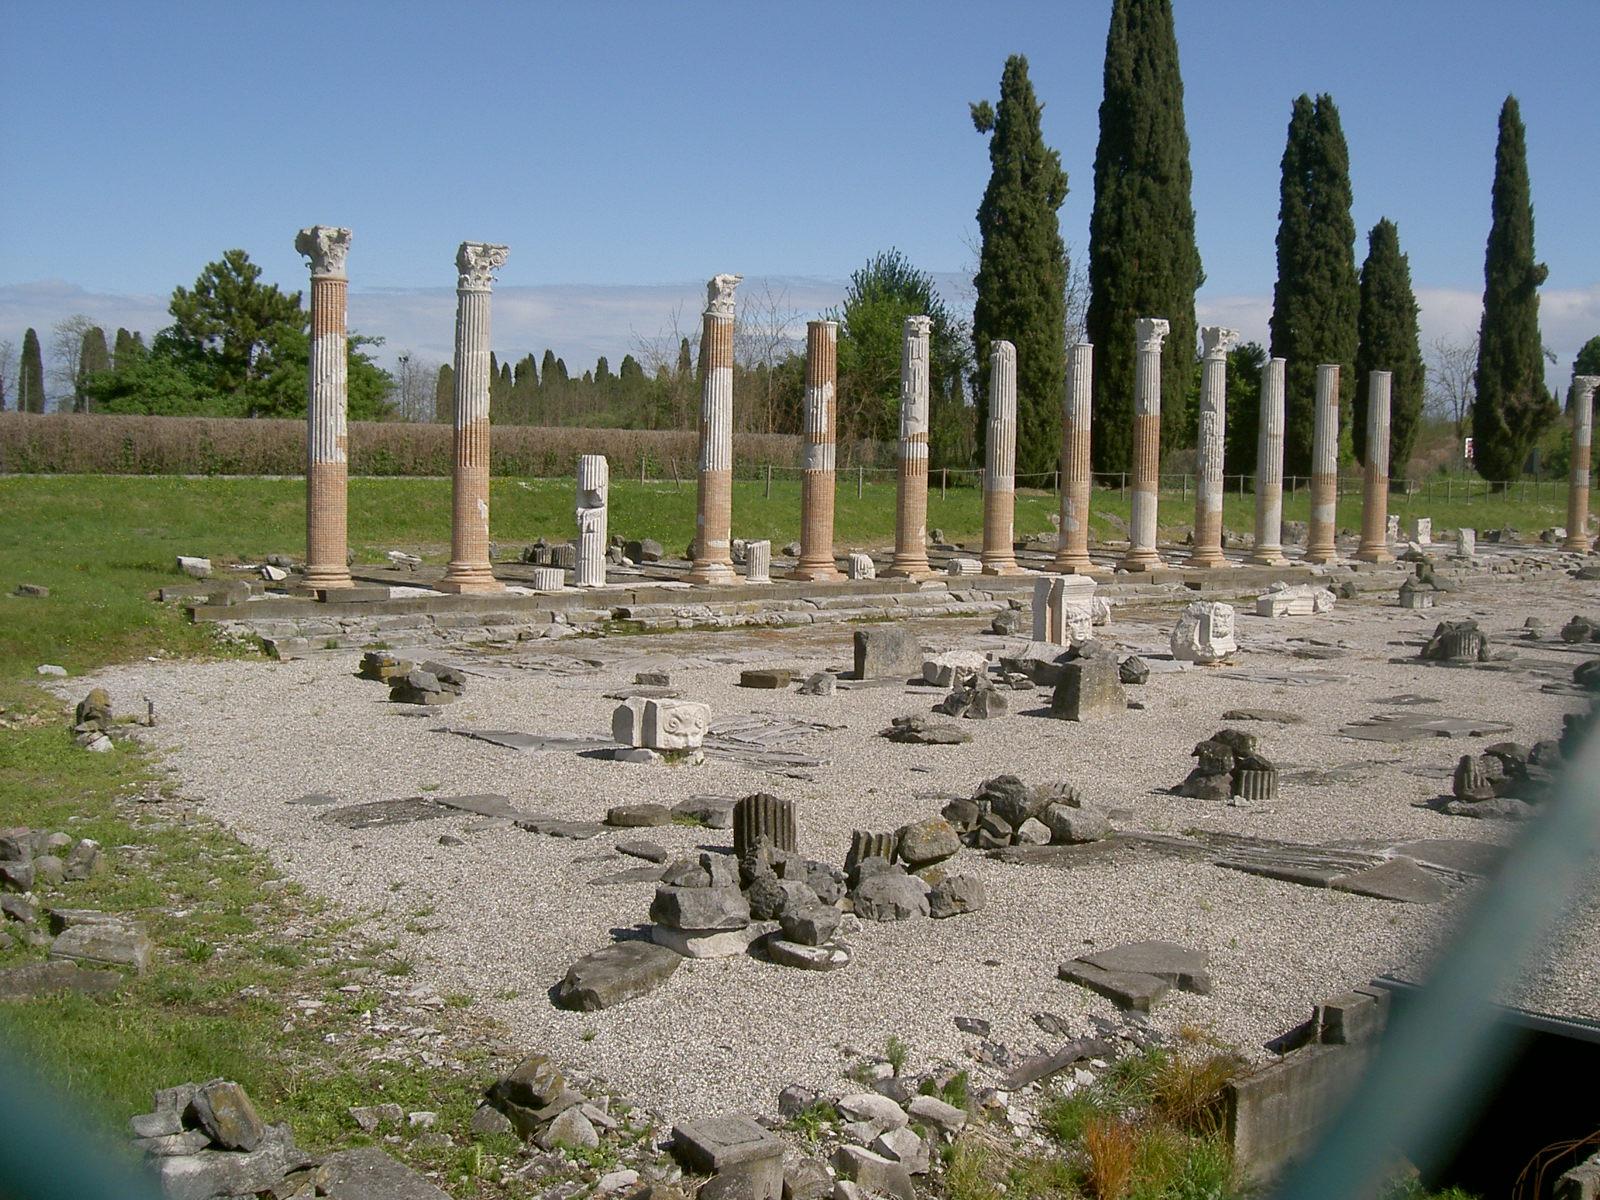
(1268, 548)
(1583, 388)
(1149, 333)
(911, 509)
(1077, 479)
(1374, 546)
(713, 534)
(1215, 343)
(469, 569)
(820, 421)
(1320, 543)
(327, 393)
(1000, 467)
(594, 496)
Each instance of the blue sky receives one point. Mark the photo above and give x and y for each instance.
(628, 151)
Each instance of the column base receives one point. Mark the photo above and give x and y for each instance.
(1267, 558)
(1005, 567)
(469, 581)
(1142, 559)
(712, 574)
(908, 572)
(1579, 545)
(810, 573)
(1377, 554)
(1320, 558)
(1075, 564)
(1208, 563)
(318, 578)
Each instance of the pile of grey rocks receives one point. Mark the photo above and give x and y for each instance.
(413, 683)
(1231, 770)
(537, 1103)
(1005, 811)
(1504, 781)
(32, 858)
(95, 727)
(1581, 629)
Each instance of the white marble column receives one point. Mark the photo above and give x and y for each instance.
(1268, 548)
(1077, 478)
(469, 570)
(1374, 546)
(1215, 344)
(1321, 546)
(911, 508)
(327, 400)
(1149, 333)
(820, 433)
(594, 498)
(1583, 388)
(1000, 466)
(713, 541)
(758, 562)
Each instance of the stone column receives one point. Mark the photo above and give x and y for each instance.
(1149, 333)
(713, 536)
(1215, 343)
(1583, 388)
(1268, 549)
(469, 569)
(1077, 480)
(1000, 469)
(758, 562)
(820, 422)
(594, 497)
(911, 510)
(1320, 544)
(326, 402)
(1374, 546)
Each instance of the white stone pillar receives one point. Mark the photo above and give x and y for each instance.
(1149, 333)
(1215, 344)
(1374, 546)
(1077, 479)
(1268, 548)
(1321, 546)
(713, 542)
(911, 508)
(594, 497)
(820, 431)
(1000, 466)
(327, 401)
(758, 562)
(469, 570)
(1583, 389)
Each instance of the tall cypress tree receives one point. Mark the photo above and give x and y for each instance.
(1317, 296)
(1512, 405)
(93, 358)
(1388, 341)
(1022, 271)
(1143, 261)
(30, 378)
(548, 376)
(444, 396)
(124, 350)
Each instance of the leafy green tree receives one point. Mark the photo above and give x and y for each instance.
(1512, 406)
(444, 396)
(1022, 268)
(1243, 425)
(30, 377)
(1143, 261)
(1317, 296)
(155, 382)
(230, 323)
(602, 370)
(93, 357)
(1388, 341)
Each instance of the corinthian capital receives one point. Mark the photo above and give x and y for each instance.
(719, 295)
(477, 262)
(1216, 341)
(326, 246)
(1150, 332)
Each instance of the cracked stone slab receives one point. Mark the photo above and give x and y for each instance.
(1455, 854)
(1276, 716)
(1125, 989)
(1411, 726)
(483, 806)
(533, 743)
(377, 813)
(1401, 880)
(1178, 965)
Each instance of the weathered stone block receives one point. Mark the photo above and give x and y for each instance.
(700, 908)
(614, 974)
(887, 652)
(1090, 690)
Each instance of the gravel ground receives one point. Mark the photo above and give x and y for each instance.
(508, 910)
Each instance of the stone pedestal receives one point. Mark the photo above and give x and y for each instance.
(713, 557)
(1583, 389)
(1149, 333)
(594, 495)
(469, 570)
(819, 420)
(1215, 343)
(758, 562)
(1268, 548)
(1063, 609)
(1000, 467)
(911, 509)
(1320, 543)
(1077, 479)
(1374, 546)
(326, 406)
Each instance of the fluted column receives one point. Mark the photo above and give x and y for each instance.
(1077, 480)
(327, 400)
(1583, 388)
(1149, 333)
(911, 508)
(1374, 546)
(1268, 548)
(820, 421)
(713, 525)
(1000, 466)
(1215, 343)
(1321, 546)
(594, 497)
(469, 569)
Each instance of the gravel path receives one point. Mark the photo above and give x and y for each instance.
(509, 910)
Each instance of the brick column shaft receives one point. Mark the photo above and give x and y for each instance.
(1215, 343)
(1374, 546)
(1320, 543)
(911, 507)
(1583, 387)
(820, 422)
(327, 401)
(1268, 548)
(1000, 467)
(1149, 332)
(713, 537)
(1077, 479)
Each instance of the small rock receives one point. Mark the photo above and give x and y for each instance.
(888, 896)
(946, 1117)
(881, 1111)
(649, 851)
(51, 669)
(639, 816)
(571, 1129)
(955, 895)
(222, 1109)
(904, 1147)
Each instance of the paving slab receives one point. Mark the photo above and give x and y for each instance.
(1401, 880)
(377, 813)
(1126, 989)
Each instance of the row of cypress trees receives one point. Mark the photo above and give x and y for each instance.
(1143, 261)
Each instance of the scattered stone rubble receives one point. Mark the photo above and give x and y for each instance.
(1294, 600)
(1505, 781)
(32, 860)
(1231, 770)
(413, 683)
(94, 727)
(1004, 812)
